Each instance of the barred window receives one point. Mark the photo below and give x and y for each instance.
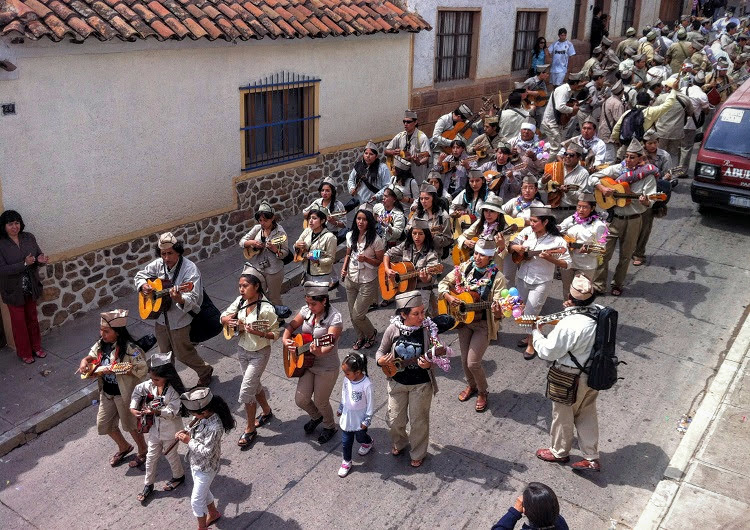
(453, 57)
(279, 120)
(628, 15)
(528, 26)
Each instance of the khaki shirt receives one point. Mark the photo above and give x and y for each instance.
(326, 243)
(262, 310)
(125, 382)
(645, 186)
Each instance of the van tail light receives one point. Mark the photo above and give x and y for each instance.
(706, 171)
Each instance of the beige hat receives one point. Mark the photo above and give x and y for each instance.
(434, 175)
(650, 135)
(629, 51)
(695, 43)
(159, 359)
(491, 120)
(575, 148)
(684, 18)
(250, 270)
(264, 207)
(365, 207)
(475, 174)
(635, 146)
(371, 145)
(651, 35)
(681, 34)
(167, 240)
(606, 41)
(464, 110)
(598, 50)
(397, 192)
(493, 203)
(316, 289)
(576, 76)
(658, 59)
(617, 88)
(329, 181)
(581, 288)
(596, 72)
(587, 197)
(420, 223)
(197, 400)
(630, 32)
(486, 247)
(410, 114)
(671, 82)
(322, 209)
(530, 179)
(540, 211)
(519, 86)
(409, 299)
(541, 68)
(638, 57)
(427, 188)
(117, 318)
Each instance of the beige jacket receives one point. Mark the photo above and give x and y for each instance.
(125, 382)
(326, 243)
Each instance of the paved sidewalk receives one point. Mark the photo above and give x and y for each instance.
(35, 398)
(707, 482)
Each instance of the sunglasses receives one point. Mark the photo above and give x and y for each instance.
(406, 122)
(570, 155)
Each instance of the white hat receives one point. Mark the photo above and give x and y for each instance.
(117, 318)
(486, 247)
(581, 288)
(316, 289)
(528, 125)
(409, 299)
(251, 270)
(196, 400)
(159, 359)
(371, 145)
(167, 240)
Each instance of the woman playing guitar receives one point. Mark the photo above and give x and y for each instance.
(390, 216)
(432, 208)
(316, 248)
(479, 276)
(520, 208)
(490, 225)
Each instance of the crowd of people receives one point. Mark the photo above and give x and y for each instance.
(447, 227)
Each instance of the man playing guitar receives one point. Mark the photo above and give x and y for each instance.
(410, 148)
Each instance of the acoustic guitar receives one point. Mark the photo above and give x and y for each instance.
(192, 424)
(530, 321)
(468, 310)
(461, 221)
(297, 359)
(621, 196)
(461, 127)
(405, 279)
(231, 332)
(251, 252)
(397, 365)
(495, 178)
(461, 254)
(540, 100)
(157, 301)
(447, 167)
(95, 368)
(389, 159)
(585, 248)
(330, 217)
(520, 257)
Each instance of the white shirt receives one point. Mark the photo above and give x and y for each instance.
(574, 334)
(538, 270)
(357, 405)
(509, 208)
(584, 233)
(560, 52)
(359, 271)
(700, 103)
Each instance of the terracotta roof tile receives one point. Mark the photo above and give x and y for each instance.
(211, 19)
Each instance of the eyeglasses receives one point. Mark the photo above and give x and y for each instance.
(570, 155)
(406, 122)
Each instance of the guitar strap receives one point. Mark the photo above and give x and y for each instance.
(174, 282)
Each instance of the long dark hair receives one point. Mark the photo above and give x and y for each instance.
(440, 187)
(397, 204)
(470, 192)
(540, 505)
(256, 283)
(500, 222)
(218, 406)
(428, 245)
(327, 300)
(370, 234)
(538, 46)
(168, 372)
(333, 192)
(178, 247)
(123, 339)
(365, 170)
(403, 176)
(437, 205)
(10, 216)
(551, 226)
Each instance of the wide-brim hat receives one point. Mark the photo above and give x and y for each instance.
(197, 400)
(493, 203)
(117, 318)
(409, 299)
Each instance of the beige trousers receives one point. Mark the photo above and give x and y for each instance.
(626, 231)
(313, 395)
(473, 340)
(183, 349)
(360, 296)
(410, 404)
(274, 282)
(582, 416)
(152, 458)
(647, 222)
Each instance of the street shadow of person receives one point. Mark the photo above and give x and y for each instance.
(679, 262)
(532, 409)
(631, 337)
(258, 519)
(681, 297)
(640, 465)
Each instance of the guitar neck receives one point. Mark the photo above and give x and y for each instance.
(409, 275)
(477, 306)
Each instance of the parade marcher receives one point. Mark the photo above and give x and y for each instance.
(659, 71)
(20, 258)
(447, 122)
(701, 106)
(591, 108)
(489, 225)
(651, 113)
(587, 228)
(418, 249)
(434, 178)
(390, 216)
(317, 246)
(539, 504)
(647, 48)
(485, 145)
(317, 318)
(415, 147)
(355, 410)
(270, 260)
(364, 254)
(670, 126)
(594, 149)
(172, 327)
(630, 41)
(247, 311)
(559, 105)
(335, 223)
(453, 167)
(158, 398)
(537, 91)
(409, 338)
(536, 272)
(116, 347)
(471, 198)
(203, 439)
(612, 109)
(481, 276)
(576, 180)
(573, 336)
(626, 223)
(513, 116)
(432, 208)
(518, 207)
(560, 50)
(640, 75)
(596, 57)
(609, 63)
(511, 180)
(368, 178)
(679, 51)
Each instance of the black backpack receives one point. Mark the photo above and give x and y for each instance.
(601, 365)
(632, 126)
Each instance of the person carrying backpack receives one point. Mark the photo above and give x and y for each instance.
(635, 122)
(581, 349)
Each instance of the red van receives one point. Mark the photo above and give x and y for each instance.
(722, 169)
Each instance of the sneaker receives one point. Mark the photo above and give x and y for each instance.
(365, 448)
(344, 469)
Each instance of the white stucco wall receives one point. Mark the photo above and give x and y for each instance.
(649, 13)
(496, 33)
(111, 138)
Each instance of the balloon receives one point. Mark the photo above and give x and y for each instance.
(513, 291)
(507, 313)
(504, 293)
(517, 312)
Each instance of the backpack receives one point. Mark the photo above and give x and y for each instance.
(601, 366)
(632, 126)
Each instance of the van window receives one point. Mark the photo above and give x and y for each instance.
(730, 132)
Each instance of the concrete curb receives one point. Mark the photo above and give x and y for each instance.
(81, 399)
(665, 492)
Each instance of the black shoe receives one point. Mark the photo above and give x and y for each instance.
(528, 356)
(373, 307)
(333, 286)
(326, 435)
(310, 425)
(146, 493)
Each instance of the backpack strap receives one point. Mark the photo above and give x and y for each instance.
(593, 314)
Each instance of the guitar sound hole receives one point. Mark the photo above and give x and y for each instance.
(462, 309)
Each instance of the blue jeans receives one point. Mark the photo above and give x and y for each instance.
(347, 440)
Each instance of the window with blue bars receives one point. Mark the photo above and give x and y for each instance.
(279, 120)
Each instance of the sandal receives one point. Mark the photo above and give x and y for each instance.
(173, 483)
(467, 393)
(637, 262)
(369, 343)
(28, 360)
(386, 303)
(358, 343)
(522, 343)
(209, 522)
(616, 291)
(261, 420)
(138, 461)
(246, 439)
(481, 405)
(395, 451)
(146, 493)
(417, 463)
(117, 458)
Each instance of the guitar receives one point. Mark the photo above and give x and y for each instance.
(461, 127)
(585, 248)
(296, 359)
(714, 94)
(259, 325)
(300, 254)
(447, 167)
(496, 178)
(397, 365)
(331, 217)
(540, 100)
(157, 301)
(251, 252)
(405, 280)
(468, 310)
(520, 257)
(461, 254)
(389, 159)
(622, 195)
(461, 221)
(148, 402)
(530, 321)
(95, 368)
